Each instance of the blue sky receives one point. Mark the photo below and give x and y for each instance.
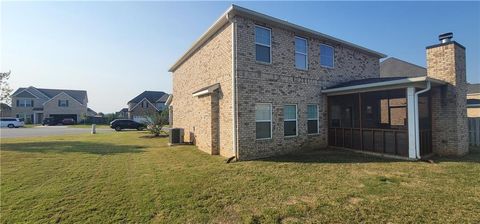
(115, 50)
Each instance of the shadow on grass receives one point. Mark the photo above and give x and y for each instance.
(329, 156)
(72, 146)
(473, 156)
(345, 156)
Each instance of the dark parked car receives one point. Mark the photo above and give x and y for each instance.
(120, 124)
(49, 121)
(68, 121)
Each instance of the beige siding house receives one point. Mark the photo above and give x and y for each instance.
(255, 86)
(33, 104)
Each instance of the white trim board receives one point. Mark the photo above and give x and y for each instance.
(142, 101)
(59, 95)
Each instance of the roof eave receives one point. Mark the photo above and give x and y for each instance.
(400, 83)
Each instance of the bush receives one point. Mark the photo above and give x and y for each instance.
(156, 121)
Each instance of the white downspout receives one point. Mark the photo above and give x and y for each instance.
(234, 84)
(417, 126)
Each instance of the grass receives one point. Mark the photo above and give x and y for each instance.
(126, 178)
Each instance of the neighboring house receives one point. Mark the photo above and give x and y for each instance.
(146, 103)
(5, 110)
(123, 113)
(33, 104)
(255, 86)
(90, 112)
(473, 100)
(394, 67)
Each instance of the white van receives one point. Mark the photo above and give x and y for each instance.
(11, 122)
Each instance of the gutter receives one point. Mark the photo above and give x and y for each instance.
(234, 83)
(417, 126)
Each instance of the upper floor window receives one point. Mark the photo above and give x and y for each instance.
(144, 104)
(263, 39)
(160, 106)
(63, 103)
(301, 55)
(24, 103)
(327, 56)
(263, 121)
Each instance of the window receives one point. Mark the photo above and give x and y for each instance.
(63, 103)
(301, 55)
(27, 118)
(263, 120)
(290, 120)
(24, 103)
(263, 44)
(326, 56)
(312, 119)
(144, 104)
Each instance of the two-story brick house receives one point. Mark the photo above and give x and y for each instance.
(255, 86)
(146, 103)
(33, 104)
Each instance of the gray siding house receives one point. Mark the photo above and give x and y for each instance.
(146, 103)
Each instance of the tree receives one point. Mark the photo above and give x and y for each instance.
(156, 121)
(5, 89)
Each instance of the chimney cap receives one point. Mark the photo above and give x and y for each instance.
(445, 37)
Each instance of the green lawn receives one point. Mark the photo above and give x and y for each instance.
(126, 178)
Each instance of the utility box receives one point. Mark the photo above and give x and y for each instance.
(176, 135)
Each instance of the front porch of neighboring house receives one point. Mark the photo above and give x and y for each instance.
(387, 116)
(37, 115)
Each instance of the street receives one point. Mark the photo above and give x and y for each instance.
(40, 131)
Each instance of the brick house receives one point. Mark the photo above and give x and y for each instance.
(33, 104)
(394, 67)
(146, 103)
(473, 100)
(255, 86)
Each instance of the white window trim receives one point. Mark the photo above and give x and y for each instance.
(60, 104)
(296, 121)
(25, 102)
(271, 121)
(333, 56)
(265, 45)
(316, 119)
(306, 53)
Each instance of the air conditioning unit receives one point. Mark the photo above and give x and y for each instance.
(176, 135)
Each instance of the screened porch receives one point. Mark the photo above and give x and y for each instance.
(376, 120)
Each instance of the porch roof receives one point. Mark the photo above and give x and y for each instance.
(376, 84)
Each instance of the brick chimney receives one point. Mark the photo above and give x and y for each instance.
(446, 62)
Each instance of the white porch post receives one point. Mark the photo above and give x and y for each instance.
(411, 122)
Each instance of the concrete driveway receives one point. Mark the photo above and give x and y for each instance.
(40, 131)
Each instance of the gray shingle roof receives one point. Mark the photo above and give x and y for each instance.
(152, 96)
(473, 88)
(394, 67)
(79, 95)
